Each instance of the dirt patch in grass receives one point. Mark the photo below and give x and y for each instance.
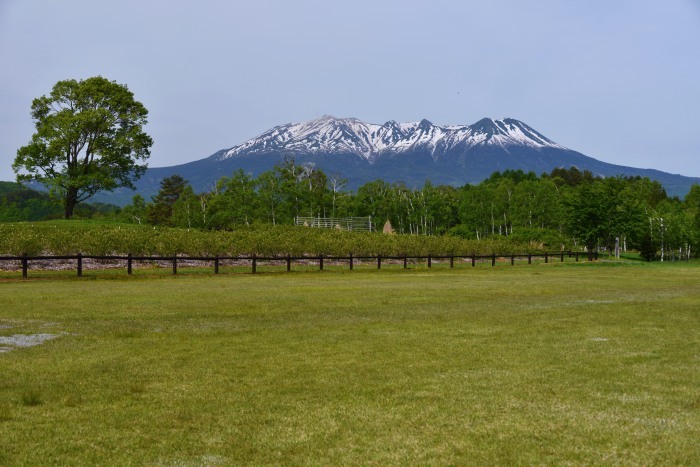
(19, 341)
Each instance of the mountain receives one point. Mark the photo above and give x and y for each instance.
(397, 152)
(329, 135)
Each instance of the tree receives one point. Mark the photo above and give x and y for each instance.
(270, 193)
(593, 214)
(235, 200)
(316, 191)
(587, 214)
(191, 210)
(476, 209)
(374, 199)
(291, 190)
(134, 212)
(88, 138)
(161, 211)
(291, 179)
(692, 202)
(337, 182)
(571, 176)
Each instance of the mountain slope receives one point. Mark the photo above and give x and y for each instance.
(397, 152)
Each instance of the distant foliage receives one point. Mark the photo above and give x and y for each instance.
(18, 203)
(565, 209)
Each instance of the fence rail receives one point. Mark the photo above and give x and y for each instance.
(321, 260)
(357, 224)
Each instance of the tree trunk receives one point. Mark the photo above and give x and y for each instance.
(69, 202)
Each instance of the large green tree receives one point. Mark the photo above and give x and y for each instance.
(89, 137)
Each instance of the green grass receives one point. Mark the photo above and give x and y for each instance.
(543, 364)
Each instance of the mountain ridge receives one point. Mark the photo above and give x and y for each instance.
(370, 141)
(412, 153)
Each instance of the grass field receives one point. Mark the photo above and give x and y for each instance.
(543, 364)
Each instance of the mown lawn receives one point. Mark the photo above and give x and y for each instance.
(543, 364)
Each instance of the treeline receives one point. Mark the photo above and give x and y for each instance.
(566, 208)
(19, 204)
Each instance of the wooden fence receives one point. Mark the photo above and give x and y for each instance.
(356, 224)
(320, 260)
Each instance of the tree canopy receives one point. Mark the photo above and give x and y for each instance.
(89, 137)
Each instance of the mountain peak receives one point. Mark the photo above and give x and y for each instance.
(329, 135)
(508, 132)
(324, 118)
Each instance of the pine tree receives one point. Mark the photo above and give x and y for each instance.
(160, 212)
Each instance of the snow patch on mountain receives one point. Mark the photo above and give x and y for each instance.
(352, 136)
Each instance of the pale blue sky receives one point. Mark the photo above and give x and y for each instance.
(616, 80)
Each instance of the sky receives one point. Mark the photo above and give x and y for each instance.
(616, 80)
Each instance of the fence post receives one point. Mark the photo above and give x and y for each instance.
(592, 256)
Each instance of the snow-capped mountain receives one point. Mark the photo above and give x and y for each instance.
(370, 141)
(411, 153)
